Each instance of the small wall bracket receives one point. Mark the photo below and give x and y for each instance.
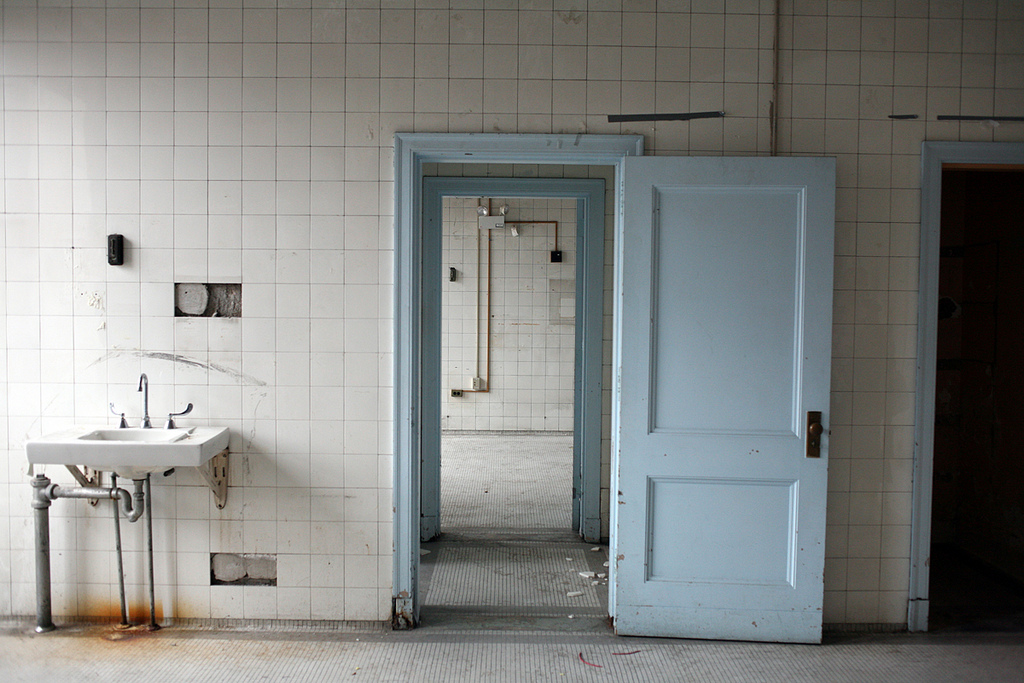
(215, 473)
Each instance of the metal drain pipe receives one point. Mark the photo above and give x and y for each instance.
(153, 626)
(41, 505)
(132, 509)
(120, 559)
(43, 493)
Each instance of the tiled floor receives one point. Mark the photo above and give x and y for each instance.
(506, 480)
(515, 574)
(522, 631)
(507, 555)
(442, 653)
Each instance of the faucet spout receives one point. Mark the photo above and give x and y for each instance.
(144, 388)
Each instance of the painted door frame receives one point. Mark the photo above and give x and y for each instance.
(933, 156)
(412, 151)
(589, 318)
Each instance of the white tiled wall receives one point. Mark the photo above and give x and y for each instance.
(532, 316)
(251, 143)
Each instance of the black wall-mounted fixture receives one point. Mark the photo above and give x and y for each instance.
(453, 274)
(115, 250)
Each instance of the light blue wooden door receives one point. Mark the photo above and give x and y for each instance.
(725, 286)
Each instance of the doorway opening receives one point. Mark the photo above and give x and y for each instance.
(416, 385)
(936, 159)
(977, 535)
(516, 481)
(508, 311)
(508, 543)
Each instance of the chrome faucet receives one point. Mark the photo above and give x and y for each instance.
(144, 388)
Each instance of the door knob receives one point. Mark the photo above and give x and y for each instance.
(814, 432)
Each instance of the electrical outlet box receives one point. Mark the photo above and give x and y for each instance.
(478, 384)
(456, 393)
(491, 222)
(556, 256)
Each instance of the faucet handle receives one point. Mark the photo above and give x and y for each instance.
(171, 416)
(124, 422)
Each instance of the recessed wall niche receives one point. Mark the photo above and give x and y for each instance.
(233, 569)
(207, 300)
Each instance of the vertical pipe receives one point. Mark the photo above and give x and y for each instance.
(120, 558)
(153, 626)
(487, 334)
(41, 505)
(773, 109)
(479, 293)
(487, 345)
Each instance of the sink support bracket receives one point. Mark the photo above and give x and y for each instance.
(86, 476)
(215, 473)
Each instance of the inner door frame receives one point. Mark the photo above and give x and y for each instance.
(588, 255)
(412, 151)
(933, 156)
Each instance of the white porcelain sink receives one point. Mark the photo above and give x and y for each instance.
(131, 453)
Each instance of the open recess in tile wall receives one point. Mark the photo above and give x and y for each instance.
(207, 300)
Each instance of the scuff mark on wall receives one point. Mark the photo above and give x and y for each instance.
(184, 360)
(252, 432)
(31, 427)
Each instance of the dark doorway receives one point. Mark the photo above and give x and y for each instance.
(977, 554)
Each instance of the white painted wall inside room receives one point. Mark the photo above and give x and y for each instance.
(532, 316)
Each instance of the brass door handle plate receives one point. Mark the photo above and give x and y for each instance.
(814, 432)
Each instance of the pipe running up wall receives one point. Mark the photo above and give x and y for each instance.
(44, 492)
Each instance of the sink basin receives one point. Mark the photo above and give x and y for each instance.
(130, 453)
(135, 435)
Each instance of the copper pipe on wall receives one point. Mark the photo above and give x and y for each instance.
(554, 223)
(487, 343)
(486, 376)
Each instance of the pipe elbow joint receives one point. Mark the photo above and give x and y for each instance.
(43, 492)
(133, 504)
